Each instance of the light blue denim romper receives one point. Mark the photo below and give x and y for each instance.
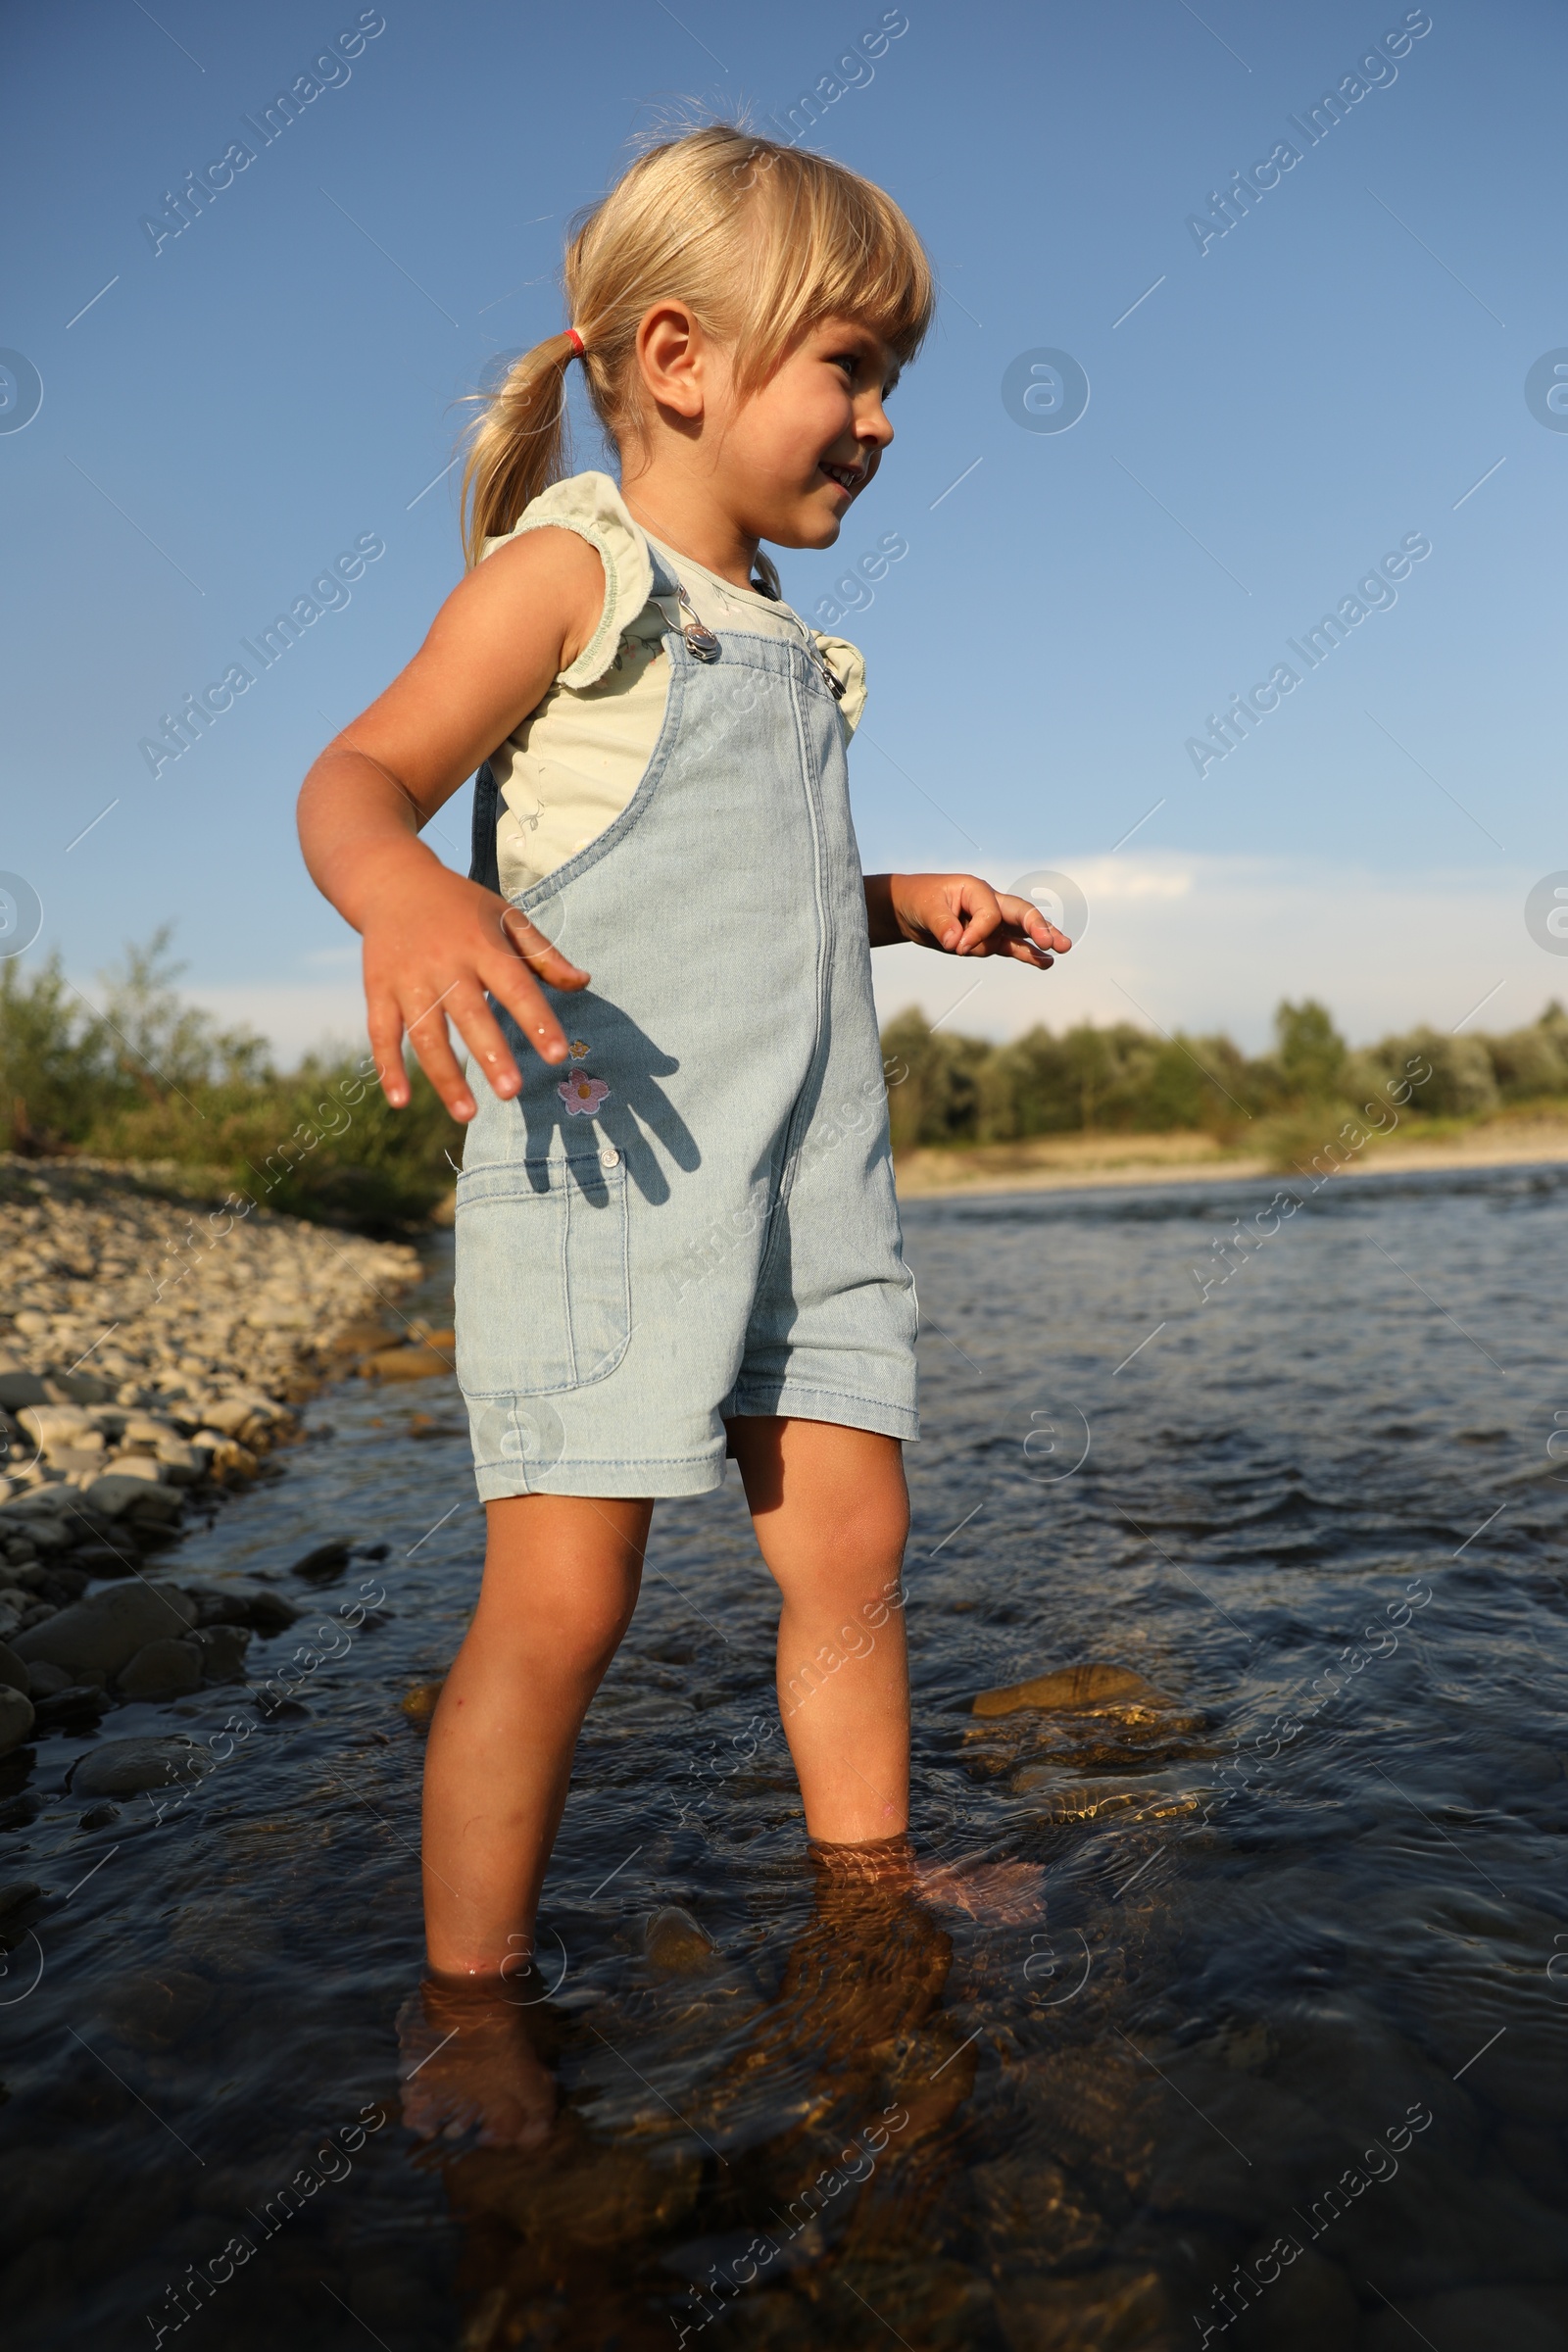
(712, 1229)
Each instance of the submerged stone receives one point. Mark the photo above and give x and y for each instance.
(123, 1767)
(676, 1946)
(104, 1631)
(1074, 1690)
(161, 1670)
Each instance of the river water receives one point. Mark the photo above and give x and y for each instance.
(1284, 2005)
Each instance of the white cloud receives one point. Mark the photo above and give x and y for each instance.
(294, 1016)
(1181, 940)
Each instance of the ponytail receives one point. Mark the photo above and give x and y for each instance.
(518, 447)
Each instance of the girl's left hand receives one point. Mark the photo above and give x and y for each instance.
(959, 915)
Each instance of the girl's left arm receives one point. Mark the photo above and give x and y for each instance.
(959, 915)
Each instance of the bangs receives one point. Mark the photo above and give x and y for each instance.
(820, 242)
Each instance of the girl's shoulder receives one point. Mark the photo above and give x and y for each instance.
(849, 664)
(590, 505)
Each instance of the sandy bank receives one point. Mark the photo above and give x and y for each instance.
(1081, 1163)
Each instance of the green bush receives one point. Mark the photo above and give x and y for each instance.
(948, 1089)
(139, 1073)
(143, 1075)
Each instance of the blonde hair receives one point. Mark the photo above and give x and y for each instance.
(763, 241)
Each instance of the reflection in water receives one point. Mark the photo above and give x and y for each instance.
(1225, 2000)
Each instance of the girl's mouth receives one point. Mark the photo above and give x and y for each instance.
(847, 477)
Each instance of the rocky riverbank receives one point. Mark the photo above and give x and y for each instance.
(152, 1353)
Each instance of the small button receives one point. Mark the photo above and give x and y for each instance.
(609, 1160)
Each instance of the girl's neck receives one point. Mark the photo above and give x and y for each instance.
(683, 517)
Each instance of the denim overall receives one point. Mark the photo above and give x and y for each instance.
(693, 1216)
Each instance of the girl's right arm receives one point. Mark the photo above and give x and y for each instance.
(435, 943)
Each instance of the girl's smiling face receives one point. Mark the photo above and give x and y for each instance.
(718, 470)
(797, 454)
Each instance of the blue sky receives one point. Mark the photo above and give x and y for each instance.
(1275, 415)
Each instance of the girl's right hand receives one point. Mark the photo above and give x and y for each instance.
(434, 951)
(435, 944)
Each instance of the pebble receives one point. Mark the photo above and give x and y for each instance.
(124, 1767)
(152, 1351)
(1074, 1689)
(76, 1708)
(676, 1946)
(221, 1649)
(104, 1631)
(163, 1669)
(16, 1719)
(326, 1560)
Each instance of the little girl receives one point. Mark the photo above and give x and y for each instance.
(677, 1230)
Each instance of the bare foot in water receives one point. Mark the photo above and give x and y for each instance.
(1001, 1893)
(468, 2066)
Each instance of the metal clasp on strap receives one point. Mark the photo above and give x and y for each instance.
(700, 640)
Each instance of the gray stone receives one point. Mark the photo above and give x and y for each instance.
(19, 1387)
(16, 1719)
(123, 1767)
(163, 1669)
(329, 1559)
(181, 1464)
(117, 1491)
(105, 1631)
(57, 1424)
(43, 1679)
(230, 1414)
(676, 1946)
(82, 1388)
(14, 1673)
(147, 1429)
(220, 1605)
(133, 1464)
(76, 1709)
(221, 1649)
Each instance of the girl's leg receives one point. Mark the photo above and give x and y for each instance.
(832, 1514)
(561, 1579)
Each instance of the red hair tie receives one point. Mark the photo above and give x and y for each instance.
(577, 342)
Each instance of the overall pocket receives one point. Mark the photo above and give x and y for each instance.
(543, 1290)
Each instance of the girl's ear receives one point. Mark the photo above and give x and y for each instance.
(671, 351)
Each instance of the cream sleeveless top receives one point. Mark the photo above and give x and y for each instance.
(570, 768)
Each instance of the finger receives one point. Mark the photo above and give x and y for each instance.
(481, 1033)
(387, 1046)
(1026, 917)
(980, 913)
(428, 1035)
(541, 954)
(511, 984)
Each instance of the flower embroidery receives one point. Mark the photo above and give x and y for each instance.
(582, 1095)
(580, 1049)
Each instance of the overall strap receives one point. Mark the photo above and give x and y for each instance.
(482, 865)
